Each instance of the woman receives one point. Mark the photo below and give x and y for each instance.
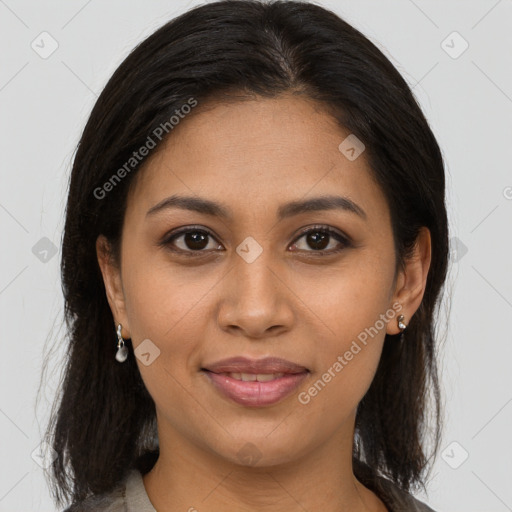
(255, 245)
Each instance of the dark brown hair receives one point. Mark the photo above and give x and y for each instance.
(103, 420)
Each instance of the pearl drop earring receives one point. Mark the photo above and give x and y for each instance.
(122, 351)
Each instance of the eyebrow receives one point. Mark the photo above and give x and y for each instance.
(208, 207)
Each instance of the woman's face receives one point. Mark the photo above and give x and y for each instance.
(255, 285)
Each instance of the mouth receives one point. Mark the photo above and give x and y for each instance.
(253, 377)
(255, 383)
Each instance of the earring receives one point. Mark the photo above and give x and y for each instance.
(401, 324)
(122, 351)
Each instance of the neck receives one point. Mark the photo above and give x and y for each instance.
(188, 477)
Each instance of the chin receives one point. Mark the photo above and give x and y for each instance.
(260, 451)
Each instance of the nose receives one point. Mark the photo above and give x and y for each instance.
(256, 301)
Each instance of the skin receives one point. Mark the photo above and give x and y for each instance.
(253, 156)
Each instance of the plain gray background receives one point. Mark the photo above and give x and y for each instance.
(466, 93)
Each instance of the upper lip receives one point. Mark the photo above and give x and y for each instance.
(255, 366)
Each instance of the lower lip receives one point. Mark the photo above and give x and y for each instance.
(256, 394)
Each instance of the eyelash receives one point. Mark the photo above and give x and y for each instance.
(345, 241)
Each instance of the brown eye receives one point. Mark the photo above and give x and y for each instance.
(195, 240)
(190, 241)
(319, 238)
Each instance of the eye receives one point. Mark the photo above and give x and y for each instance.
(320, 237)
(190, 240)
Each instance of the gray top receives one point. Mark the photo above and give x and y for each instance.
(131, 496)
(128, 496)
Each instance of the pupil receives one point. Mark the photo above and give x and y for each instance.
(317, 240)
(196, 240)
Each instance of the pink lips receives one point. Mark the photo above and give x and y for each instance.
(246, 365)
(254, 393)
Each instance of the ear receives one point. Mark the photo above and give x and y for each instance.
(113, 285)
(412, 279)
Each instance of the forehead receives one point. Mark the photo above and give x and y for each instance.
(255, 154)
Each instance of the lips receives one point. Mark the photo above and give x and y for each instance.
(267, 365)
(253, 377)
(255, 382)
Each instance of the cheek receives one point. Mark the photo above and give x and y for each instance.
(162, 301)
(342, 377)
(168, 306)
(350, 301)
(162, 305)
(351, 312)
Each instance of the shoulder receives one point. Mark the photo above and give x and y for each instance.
(398, 500)
(392, 495)
(129, 496)
(113, 501)
(401, 501)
